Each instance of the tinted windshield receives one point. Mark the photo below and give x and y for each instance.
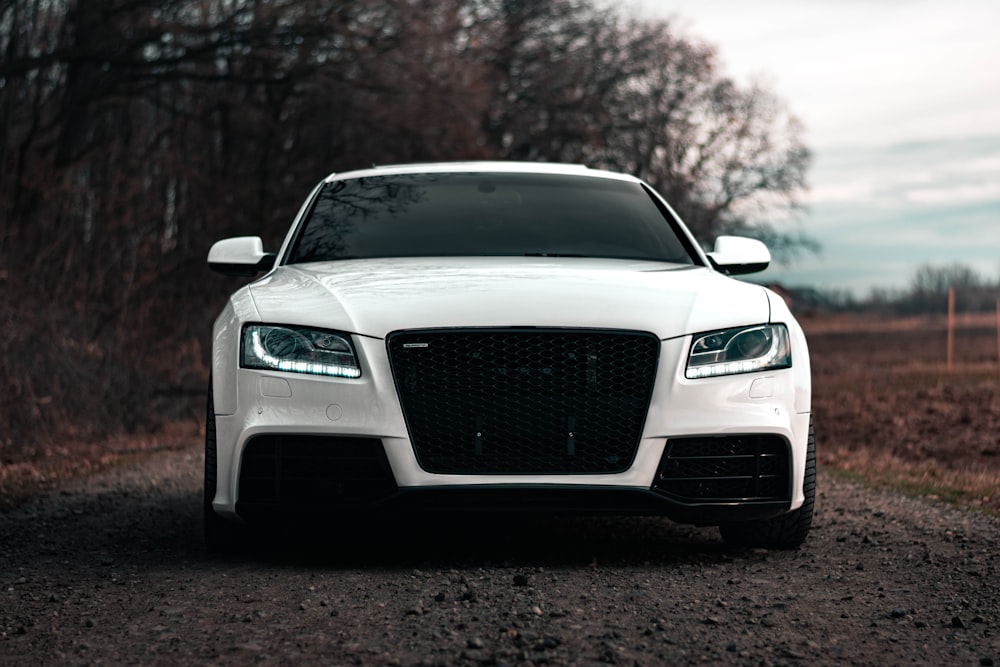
(475, 214)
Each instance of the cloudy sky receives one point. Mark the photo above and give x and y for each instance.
(901, 103)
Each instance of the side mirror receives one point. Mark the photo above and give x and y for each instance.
(241, 256)
(736, 255)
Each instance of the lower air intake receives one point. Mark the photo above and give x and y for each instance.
(298, 469)
(725, 468)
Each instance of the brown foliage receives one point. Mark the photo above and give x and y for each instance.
(134, 134)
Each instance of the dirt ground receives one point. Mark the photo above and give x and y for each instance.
(109, 568)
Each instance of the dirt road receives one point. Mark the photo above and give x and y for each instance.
(111, 570)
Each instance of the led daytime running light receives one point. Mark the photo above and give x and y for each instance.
(777, 356)
(268, 360)
(734, 367)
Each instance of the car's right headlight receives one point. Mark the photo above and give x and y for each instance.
(741, 350)
(298, 350)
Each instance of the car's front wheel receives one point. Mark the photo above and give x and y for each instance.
(787, 531)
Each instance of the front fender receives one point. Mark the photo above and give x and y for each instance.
(226, 349)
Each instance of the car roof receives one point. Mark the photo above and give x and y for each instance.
(509, 167)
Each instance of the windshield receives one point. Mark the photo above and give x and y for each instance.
(484, 214)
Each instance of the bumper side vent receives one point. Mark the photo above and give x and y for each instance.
(725, 469)
(300, 469)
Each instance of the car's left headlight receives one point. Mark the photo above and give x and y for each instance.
(298, 350)
(742, 350)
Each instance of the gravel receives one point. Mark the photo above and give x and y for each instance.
(111, 570)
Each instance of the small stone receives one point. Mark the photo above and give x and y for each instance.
(898, 613)
(957, 622)
(440, 597)
(986, 661)
(520, 580)
(249, 647)
(476, 642)
(731, 647)
(537, 611)
(414, 611)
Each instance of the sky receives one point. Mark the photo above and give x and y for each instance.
(901, 104)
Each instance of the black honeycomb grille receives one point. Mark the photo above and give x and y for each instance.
(524, 401)
(725, 468)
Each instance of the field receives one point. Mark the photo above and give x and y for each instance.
(886, 407)
(888, 410)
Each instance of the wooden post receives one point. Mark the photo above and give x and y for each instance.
(951, 327)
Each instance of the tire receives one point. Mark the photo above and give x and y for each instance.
(221, 536)
(787, 531)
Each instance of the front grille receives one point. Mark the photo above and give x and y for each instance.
(291, 469)
(524, 401)
(725, 468)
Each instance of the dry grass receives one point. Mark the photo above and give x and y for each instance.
(868, 322)
(889, 411)
(967, 488)
(75, 459)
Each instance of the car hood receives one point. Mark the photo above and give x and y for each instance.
(377, 296)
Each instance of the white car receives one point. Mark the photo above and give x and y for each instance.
(505, 336)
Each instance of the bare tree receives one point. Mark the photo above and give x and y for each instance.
(134, 133)
(573, 83)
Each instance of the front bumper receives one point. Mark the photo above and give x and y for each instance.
(700, 480)
(518, 499)
(281, 404)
